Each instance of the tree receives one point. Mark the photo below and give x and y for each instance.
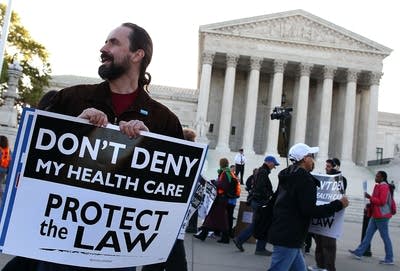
(32, 56)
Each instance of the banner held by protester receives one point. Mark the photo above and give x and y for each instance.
(331, 188)
(210, 193)
(90, 196)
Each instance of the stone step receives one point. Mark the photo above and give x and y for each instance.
(355, 211)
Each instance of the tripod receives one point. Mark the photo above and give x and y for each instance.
(283, 125)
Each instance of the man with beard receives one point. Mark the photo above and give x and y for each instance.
(294, 207)
(122, 99)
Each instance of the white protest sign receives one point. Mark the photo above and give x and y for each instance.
(90, 196)
(195, 203)
(210, 193)
(331, 188)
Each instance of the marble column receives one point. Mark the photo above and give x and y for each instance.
(227, 102)
(204, 93)
(276, 100)
(325, 113)
(301, 107)
(295, 97)
(349, 116)
(251, 105)
(372, 116)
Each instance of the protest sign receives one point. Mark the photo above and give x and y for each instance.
(90, 196)
(365, 186)
(195, 203)
(331, 188)
(210, 193)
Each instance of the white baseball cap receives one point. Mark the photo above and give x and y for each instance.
(298, 151)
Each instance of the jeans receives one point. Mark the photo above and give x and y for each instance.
(382, 225)
(248, 232)
(287, 259)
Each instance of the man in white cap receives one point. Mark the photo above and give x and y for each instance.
(294, 207)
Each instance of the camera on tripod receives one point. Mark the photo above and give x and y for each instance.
(281, 113)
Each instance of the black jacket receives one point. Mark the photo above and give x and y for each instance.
(295, 206)
(157, 117)
(262, 189)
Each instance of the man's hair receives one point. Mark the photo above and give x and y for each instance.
(140, 39)
(336, 161)
(331, 161)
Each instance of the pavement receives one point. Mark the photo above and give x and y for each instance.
(212, 256)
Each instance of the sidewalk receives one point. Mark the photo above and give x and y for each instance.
(212, 256)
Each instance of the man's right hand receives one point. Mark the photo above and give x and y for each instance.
(94, 116)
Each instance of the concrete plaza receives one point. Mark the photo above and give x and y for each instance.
(212, 256)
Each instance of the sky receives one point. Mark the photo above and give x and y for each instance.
(73, 31)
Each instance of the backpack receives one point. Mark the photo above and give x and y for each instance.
(392, 204)
(234, 187)
(393, 207)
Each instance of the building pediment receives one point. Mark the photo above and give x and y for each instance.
(296, 27)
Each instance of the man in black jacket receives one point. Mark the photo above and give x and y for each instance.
(294, 207)
(261, 194)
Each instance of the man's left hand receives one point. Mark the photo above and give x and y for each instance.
(132, 128)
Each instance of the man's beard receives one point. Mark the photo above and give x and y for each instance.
(113, 70)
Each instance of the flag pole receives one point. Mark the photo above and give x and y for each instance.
(4, 33)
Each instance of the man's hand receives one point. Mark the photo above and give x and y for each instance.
(366, 195)
(132, 128)
(345, 201)
(94, 116)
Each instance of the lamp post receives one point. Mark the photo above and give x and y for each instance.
(4, 32)
(8, 112)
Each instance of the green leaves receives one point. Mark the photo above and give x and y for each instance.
(33, 58)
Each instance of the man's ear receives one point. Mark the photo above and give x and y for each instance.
(138, 55)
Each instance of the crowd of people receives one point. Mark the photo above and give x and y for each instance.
(122, 99)
(296, 204)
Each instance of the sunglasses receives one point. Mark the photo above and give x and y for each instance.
(310, 155)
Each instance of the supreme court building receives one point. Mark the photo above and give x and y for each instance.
(327, 74)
